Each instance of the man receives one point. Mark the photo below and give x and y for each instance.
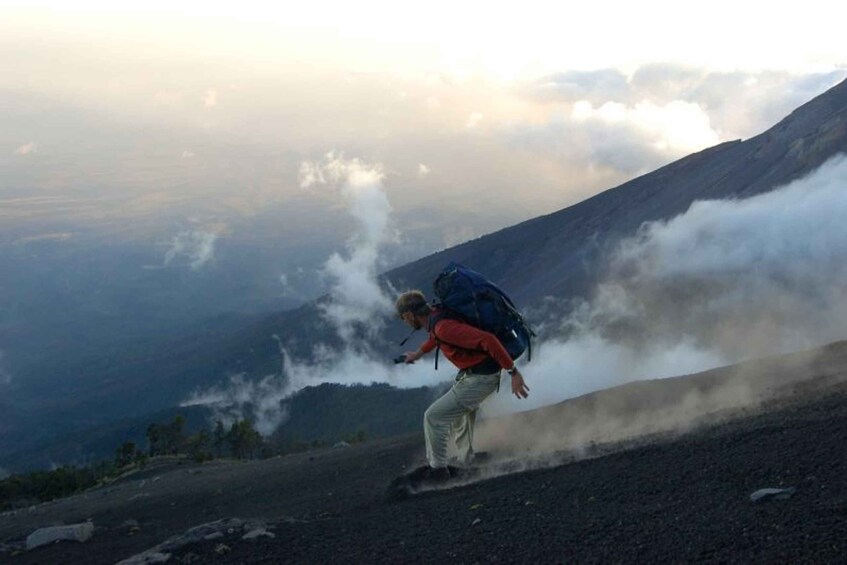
(479, 356)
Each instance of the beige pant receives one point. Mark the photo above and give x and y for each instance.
(454, 414)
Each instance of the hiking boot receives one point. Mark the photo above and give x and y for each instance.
(428, 476)
(480, 458)
(423, 477)
(477, 458)
(443, 474)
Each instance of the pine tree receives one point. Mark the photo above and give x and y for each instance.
(154, 440)
(219, 438)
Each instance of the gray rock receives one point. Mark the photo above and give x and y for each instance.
(174, 543)
(198, 533)
(775, 493)
(74, 532)
(257, 533)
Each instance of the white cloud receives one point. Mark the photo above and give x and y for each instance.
(629, 139)
(310, 174)
(423, 170)
(187, 154)
(738, 104)
(288, 288)
(27, 149)
(58, 236)
(194, 246)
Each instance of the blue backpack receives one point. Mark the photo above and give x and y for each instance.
(468, 296)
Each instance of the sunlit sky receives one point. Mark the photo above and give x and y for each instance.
(507, 40)
(123, 111)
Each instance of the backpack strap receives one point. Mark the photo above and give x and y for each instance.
(434, 319)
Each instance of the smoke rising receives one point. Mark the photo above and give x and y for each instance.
(356, 297)
(356, 302)
(260, 399)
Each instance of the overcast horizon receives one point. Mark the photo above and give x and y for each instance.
(182, 131)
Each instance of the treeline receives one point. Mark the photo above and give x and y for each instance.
(239, 441)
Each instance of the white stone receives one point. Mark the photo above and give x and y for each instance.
(75, 532)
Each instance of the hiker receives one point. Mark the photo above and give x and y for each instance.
(479, 356)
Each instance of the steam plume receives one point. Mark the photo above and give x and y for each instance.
(356, 302)
(356, 297)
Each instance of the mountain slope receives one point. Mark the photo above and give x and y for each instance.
(559, 255)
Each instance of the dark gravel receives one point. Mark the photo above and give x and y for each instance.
(659, 499)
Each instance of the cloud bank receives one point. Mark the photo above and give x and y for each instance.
(724, 282)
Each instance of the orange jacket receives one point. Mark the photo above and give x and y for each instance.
(465, 345)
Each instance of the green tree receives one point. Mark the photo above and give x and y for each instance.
(243, 439)
(174, 438)
(126, 454)
(198, 446)
(154, 440)
(219, 438)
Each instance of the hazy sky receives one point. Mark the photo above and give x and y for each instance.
(160, 116)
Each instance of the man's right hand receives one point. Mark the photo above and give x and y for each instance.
(412, 356)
